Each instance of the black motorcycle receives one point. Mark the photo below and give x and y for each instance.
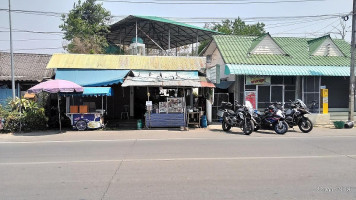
(241, 118)
(272, 119)
(296, 116)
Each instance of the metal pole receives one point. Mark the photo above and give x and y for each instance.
(352, 67)
(136, 38)
(197, 46)
(169, 41)
(59, 114)
(12, 57)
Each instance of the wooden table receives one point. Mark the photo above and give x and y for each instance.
(194, 118)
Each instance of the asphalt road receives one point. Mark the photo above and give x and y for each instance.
(161, 165)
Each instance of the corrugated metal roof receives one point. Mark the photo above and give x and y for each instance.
(280, 70)
(234, 50)
(94, 61)
(123, 31)
(28, 67)
(160, 19)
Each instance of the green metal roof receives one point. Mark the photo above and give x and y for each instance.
(157, 29)
(287, 70)
(235, 49)
(314, 44)
(256, 41)
(160, 19)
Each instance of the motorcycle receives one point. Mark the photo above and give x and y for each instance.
(272, 119)
(241, 118)
(296, 116)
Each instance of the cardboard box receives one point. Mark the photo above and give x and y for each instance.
(83, 109)
(73, 109)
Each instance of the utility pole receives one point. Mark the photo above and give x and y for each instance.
(352, 66)
(12, 57)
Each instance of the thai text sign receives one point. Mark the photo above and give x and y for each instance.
(258, 80)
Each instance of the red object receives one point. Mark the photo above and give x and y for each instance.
(251, 97)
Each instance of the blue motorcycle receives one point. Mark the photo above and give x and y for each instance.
(272, 119)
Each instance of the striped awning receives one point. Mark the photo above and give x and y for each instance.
(285, 70)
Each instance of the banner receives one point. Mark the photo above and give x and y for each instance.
(251, 97)
(258, 80)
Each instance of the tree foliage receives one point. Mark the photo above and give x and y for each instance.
(235, 27)
(239, 27)
(85, 27)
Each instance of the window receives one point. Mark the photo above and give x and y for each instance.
(208, 58)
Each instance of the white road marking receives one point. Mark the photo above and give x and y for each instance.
(166, 139)
(180, 159)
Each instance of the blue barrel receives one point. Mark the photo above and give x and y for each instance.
(204, 121)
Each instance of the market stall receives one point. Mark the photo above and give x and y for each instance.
(169, 96)
(86, 116)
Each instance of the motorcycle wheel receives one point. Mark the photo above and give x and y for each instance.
(225, 126)
(248, 127)
(305, 125)
(281, 128)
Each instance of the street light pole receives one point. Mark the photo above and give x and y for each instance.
(11, 56)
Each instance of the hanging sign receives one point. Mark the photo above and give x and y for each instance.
(251, 97)
(213, 74)
(258, 80)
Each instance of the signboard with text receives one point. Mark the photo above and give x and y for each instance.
(258, 80)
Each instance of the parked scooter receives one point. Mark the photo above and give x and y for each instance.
(241, 118)
(272, 119)
(296, 116)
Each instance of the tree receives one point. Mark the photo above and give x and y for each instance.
(235, 27)
(342, 30)
(85, 27)
(239, 27)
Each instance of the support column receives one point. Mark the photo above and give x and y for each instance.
(191, 98)
(67, 104)
(18, 90)
(237, 88)
(298, 87)
(197, 46)
(132, 102)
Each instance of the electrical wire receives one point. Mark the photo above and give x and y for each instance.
(4, 50)
(186, 2)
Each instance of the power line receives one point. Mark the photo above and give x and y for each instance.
(34, 39)
(210, 3)
(32, 49)
(202, 19)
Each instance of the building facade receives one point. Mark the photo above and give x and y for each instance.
(267, 69)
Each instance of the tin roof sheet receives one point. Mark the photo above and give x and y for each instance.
(95, 61)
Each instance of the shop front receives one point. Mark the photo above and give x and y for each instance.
(169, 98)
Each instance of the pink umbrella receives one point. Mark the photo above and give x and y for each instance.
(56, 86)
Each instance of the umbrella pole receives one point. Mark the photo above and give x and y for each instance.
(102, 105)
(59, 115)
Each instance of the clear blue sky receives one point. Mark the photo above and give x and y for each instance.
(37, 43)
